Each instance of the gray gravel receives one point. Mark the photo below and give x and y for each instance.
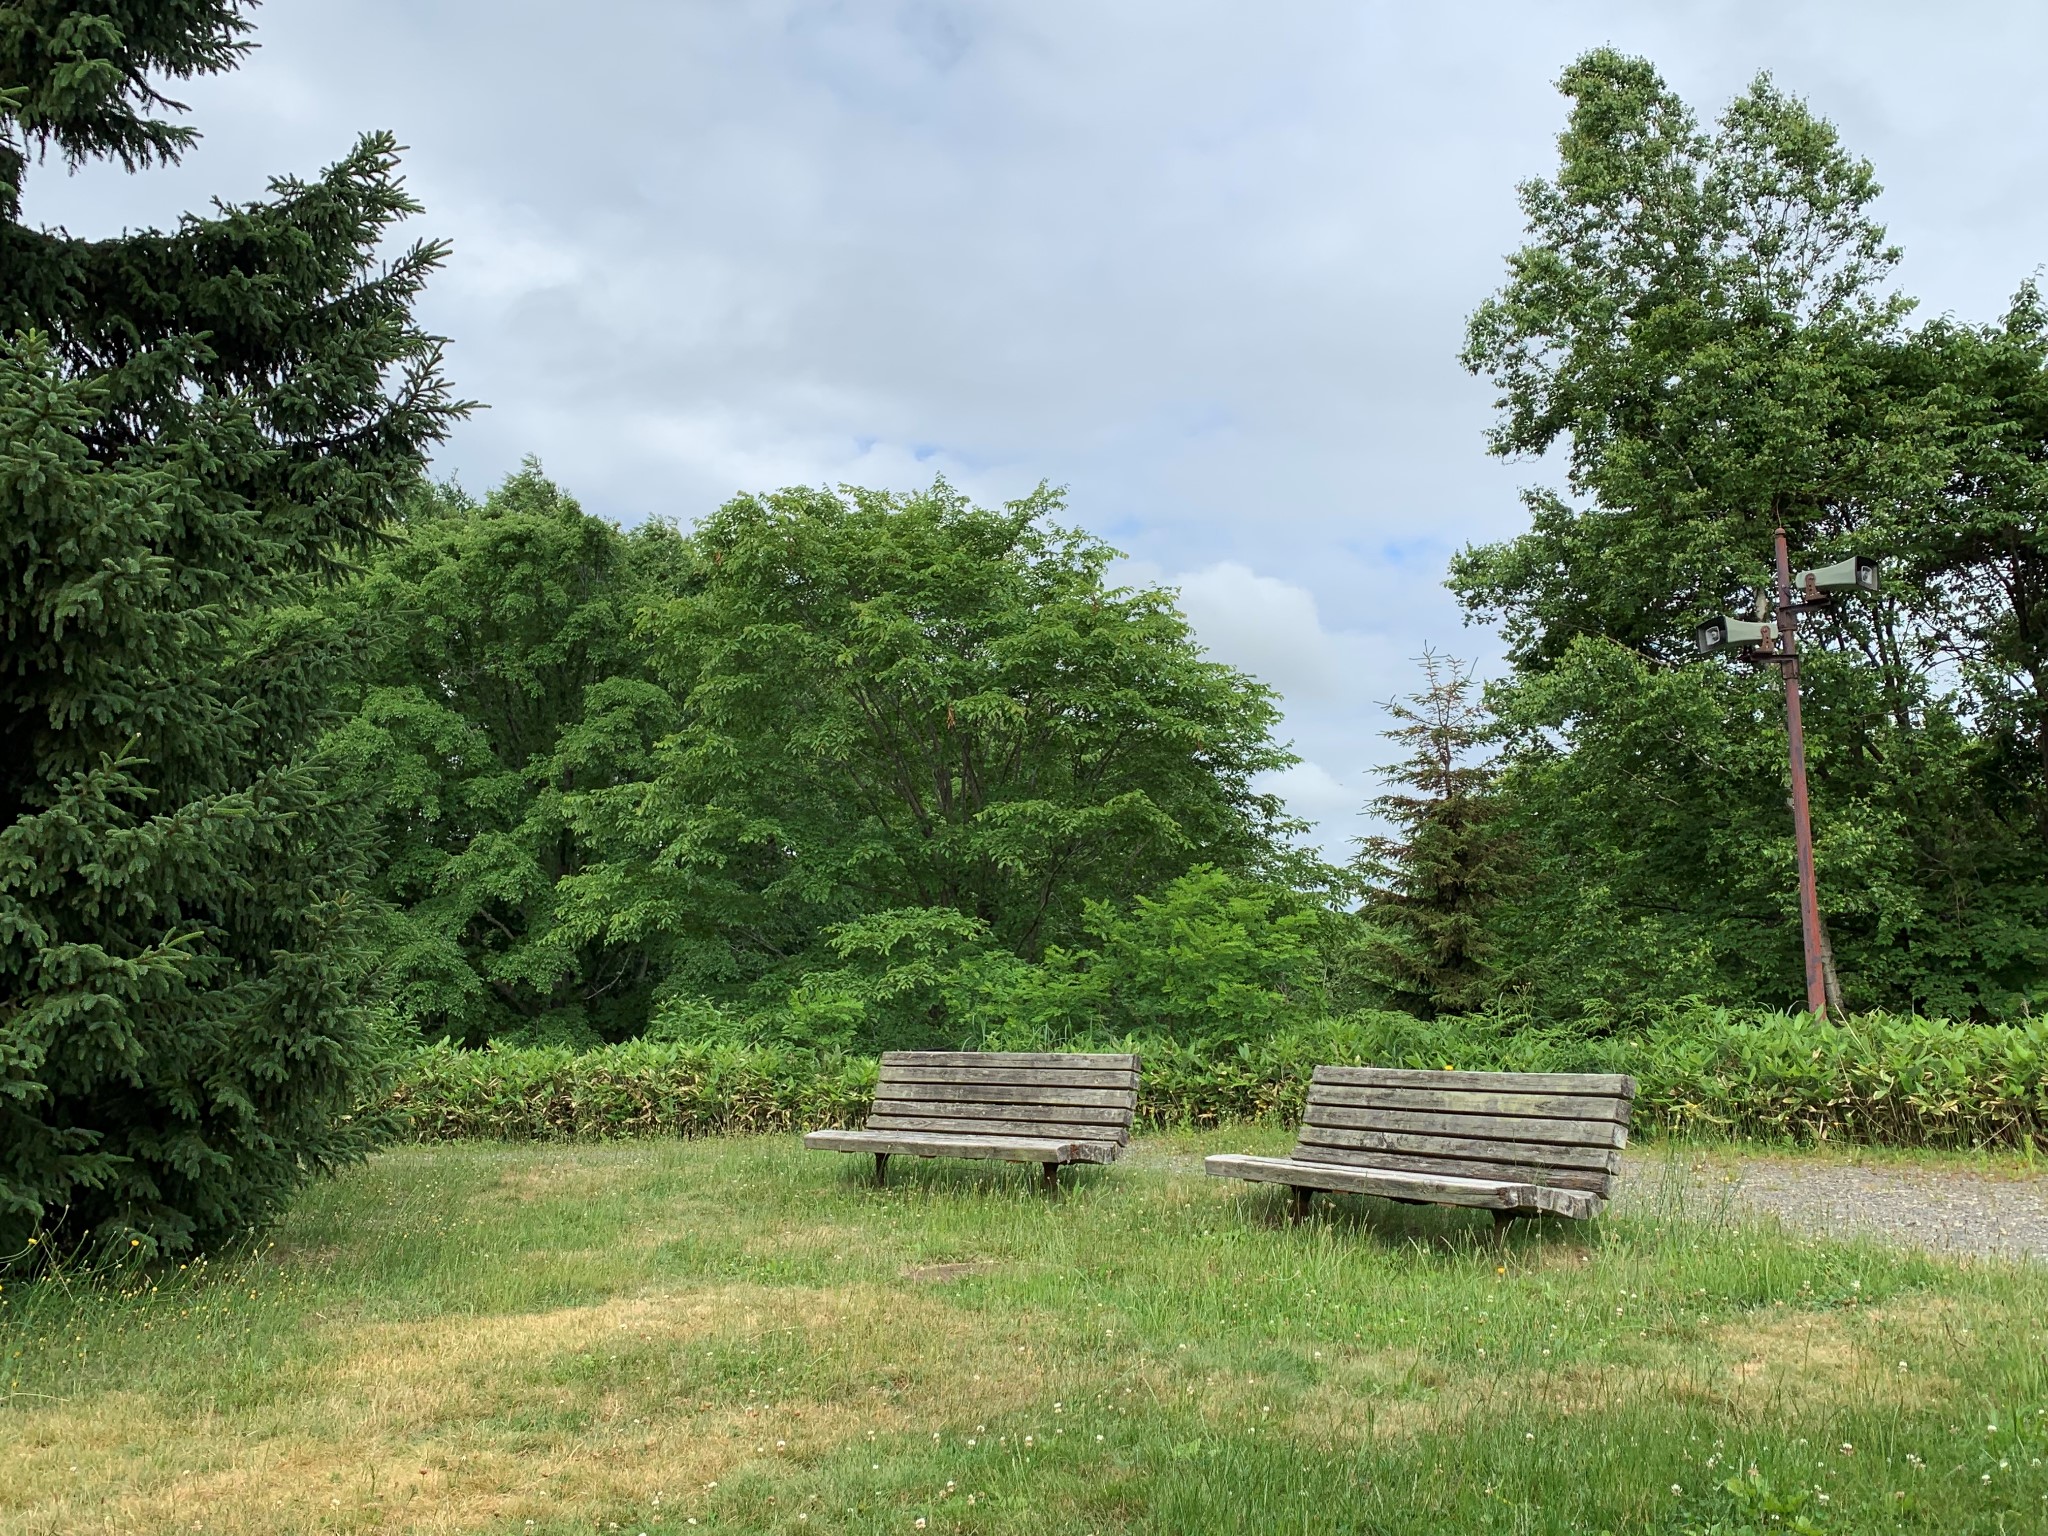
(1949, 1210)
(1940, 1210)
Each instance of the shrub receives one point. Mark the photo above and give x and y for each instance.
(1877, 1079)
(640, 1088)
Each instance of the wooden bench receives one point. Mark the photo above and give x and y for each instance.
(1515, 1143)
(1020, 1106)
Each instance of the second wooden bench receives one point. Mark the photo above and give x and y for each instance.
(1515, 1143)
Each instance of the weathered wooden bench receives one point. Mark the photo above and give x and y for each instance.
(1515, 1143)
(1020, 1106)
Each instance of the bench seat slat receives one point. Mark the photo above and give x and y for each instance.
(1546, 1133)
(1073, 1114)
(1017, 1149)
(1058, 1061)
(1506, 1105)
(1395, 1184)
(1605, 1085)
(1004, 1093)
(1010, 1076)
(1532, 1154)
(1460, 1167)
(1059, 1130)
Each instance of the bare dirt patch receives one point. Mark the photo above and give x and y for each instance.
(939, 1274)
(566, 1177)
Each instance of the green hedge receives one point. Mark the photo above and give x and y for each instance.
(642, 1088)
(1877, 1079)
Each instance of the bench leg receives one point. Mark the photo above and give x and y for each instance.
(1502, 1220)
(1052, 1177)
(881, 1168)
(1298, 1206)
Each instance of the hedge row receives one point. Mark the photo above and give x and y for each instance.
(1876, 1079)
(642, 1088)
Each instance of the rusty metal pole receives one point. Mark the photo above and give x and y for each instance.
(1802, 820)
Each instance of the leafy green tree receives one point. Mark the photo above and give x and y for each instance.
(908, 704)
(193, 424)
(1210, 959)
(1702, 323)
(1647, 805)
(1980, 562)
(1431, 886)
(499, 682)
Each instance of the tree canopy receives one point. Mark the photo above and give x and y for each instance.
(497, 680)
(909, 704)
(1702, 325)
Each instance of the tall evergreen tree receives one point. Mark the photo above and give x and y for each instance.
(193, 425)
(1430, 885)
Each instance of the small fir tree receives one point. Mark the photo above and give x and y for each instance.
(194, 425)
(1431, 882)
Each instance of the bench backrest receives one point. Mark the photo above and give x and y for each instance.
(1068, 1096)
(1560, 1129)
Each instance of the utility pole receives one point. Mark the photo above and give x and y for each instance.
(1802, 818)
(1777, 644)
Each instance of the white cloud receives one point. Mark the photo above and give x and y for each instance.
(1318, 796)
(1332, 683)
(1267, 627)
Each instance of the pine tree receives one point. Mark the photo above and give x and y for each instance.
(1430, 885)
(194, 425)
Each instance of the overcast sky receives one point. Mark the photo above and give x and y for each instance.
(1205, 264)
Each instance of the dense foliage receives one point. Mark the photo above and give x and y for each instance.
(1874, 1079)
(193, 424)
(638, 1088)
(1702, 327)
(497, 679)
(848, 770)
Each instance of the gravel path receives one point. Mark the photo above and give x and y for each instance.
(1942, 1210)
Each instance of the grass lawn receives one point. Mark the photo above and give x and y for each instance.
(740, 1336)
